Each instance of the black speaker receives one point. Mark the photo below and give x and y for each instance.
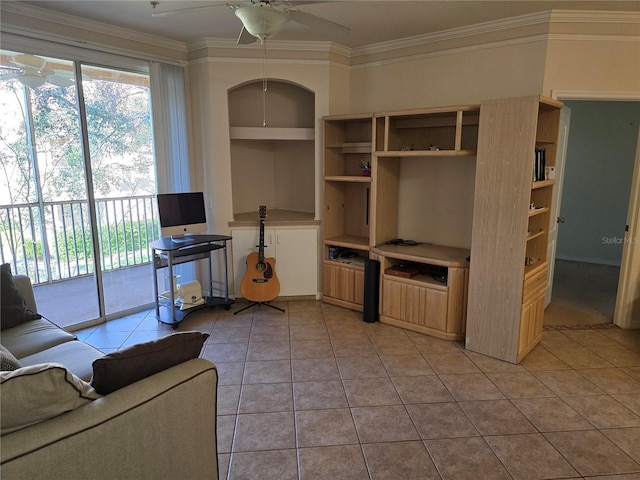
(371, 290)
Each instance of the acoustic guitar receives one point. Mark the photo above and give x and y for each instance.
(260, 283)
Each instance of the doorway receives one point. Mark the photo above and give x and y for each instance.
(596, 192)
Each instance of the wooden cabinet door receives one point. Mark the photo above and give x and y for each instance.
(358, 287)
(329, 281)
(392, 301)
(343, 283)
(415, 304)
(436, 309)
(531, 324)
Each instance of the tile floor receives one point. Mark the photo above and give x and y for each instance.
(315, 393)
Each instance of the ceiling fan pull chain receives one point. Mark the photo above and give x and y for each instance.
(264, 84)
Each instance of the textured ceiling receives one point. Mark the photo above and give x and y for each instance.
(370, 22)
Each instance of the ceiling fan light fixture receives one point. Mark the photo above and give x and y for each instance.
(262, 21)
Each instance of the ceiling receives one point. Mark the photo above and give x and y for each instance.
(370, 22)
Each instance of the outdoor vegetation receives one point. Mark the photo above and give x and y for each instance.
(45, 217)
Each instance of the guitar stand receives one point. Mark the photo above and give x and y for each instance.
(253, 304)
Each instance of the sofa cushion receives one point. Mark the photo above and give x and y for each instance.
(37, 392)
(126, 366)
(7, 360)
(13, 308)
(76, 356)
(34, 336)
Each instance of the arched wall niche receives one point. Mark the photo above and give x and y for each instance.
(288, 105)
(272, 135)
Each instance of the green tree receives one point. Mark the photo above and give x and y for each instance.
(40, 129)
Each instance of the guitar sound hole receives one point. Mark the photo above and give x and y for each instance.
(261, 267)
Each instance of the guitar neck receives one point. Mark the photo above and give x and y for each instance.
(261, 245)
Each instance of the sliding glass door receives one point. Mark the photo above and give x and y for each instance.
(119, 132)
(77, 207)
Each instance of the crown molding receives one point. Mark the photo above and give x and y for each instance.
(259, 61)
(64, 19)
(563, 95)
(540, 18)
(454, 33)
(280, 45)
(591, 16)
(453, 51)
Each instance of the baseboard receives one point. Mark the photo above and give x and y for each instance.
(595, 261)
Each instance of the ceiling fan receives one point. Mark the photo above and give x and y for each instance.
(264, 19)
(30, 71)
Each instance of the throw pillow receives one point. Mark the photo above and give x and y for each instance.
(38, 392)
(126, 366)
(7, 360)
(13, 307)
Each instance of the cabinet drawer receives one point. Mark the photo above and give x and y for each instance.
(534, 284)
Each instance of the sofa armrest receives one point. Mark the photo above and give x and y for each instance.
(163, 426)
(24, 286)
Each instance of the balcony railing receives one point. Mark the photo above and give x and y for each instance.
(51, 241)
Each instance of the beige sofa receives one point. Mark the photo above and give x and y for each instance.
(160, 427)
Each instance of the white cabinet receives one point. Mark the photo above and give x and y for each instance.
(295, 251)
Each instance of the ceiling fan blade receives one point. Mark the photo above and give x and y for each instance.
(61, 79)
(177, 11)
(245, 38)
(317, 23)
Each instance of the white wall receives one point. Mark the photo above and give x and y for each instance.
(279, 174)
(454, 77)
(429, 212)
(211, 80)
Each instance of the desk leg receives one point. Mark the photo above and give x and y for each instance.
(210, 277)
(226, 275)
(173, 294)
(155, 284)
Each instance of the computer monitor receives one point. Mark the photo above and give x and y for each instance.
(181, 214)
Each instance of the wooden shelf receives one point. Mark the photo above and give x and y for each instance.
(357, 262)
(347, 178)
(469, 111)
(537, 211)
(418, 281)
(536, 235)
(426, 153)
(543, 184)
(275, 217)
(426, 253)
(531, 269)
(348, 241)
(353, 147)
(271, 133)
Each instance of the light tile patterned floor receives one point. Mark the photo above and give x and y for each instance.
(314, 393)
